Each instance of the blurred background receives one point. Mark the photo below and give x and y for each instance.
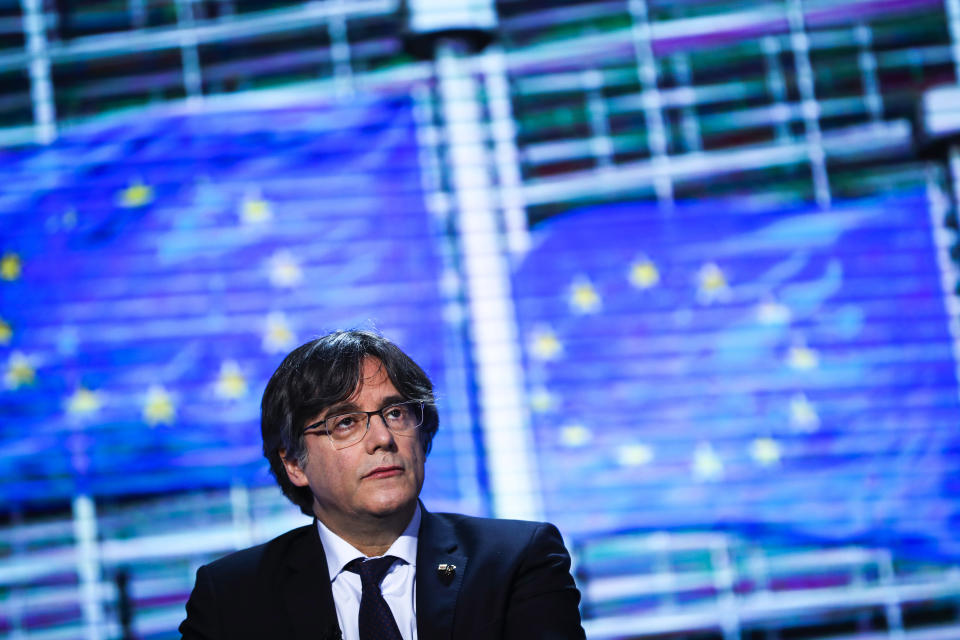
(683, 273)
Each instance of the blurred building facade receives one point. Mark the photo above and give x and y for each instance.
(740, 160)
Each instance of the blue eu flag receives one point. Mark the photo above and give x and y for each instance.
(156, 268)
(775, 370)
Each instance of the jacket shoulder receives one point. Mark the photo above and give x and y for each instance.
(516, 580)
(259, 592)
(464, 522)
(254, 560)
(490, 533)
(459, 520)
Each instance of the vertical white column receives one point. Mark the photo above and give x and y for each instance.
(240, 515)
(809, 107)
(724, 581)
(951, 298)
(41, 84)
(953, 25)
(189, 54)
(652, 101)
(138, 13)
(340, 51)
(454, 314)
(601, 144)
(891, 595)
(953, 179)
(691, 126)
(953, 166)
(496, 352)
(777, 87)
(506, 156)
(868, 71)
(88, 566)
(939, 203)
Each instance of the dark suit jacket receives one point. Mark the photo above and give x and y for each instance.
(512, 581)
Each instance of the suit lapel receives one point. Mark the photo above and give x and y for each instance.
(306, 590)
(437, 590)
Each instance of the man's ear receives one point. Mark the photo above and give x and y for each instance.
(294, 472)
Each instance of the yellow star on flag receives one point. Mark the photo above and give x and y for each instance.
(19, 372)
(158, 407)
(84, 402)
(69, 219)
(707, 465)
(231, 384)
(712, 284)
(644, 274)
(255, 210)
(803, 415)
(544, 345)
(6, 332)
(284, 270)
(634, 455)
(584, 297)
(765, 451)
(541, 400)
(802, 358)
(10, 266)
(278, 338)
(136, 195)
(771, 312)
(575, 435)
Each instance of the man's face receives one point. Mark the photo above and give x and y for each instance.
(379, 476)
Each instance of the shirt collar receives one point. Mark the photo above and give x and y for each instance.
(339, 552)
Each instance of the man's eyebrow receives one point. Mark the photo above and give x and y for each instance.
(342, 407)
(349, 407)
(389, 400)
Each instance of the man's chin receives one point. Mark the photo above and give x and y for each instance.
(389, 507)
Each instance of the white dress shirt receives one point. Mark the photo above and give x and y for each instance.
(399, 586)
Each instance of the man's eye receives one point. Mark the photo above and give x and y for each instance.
(345, 422)
(397, 413)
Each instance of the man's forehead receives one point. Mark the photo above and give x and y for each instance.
(373, 374)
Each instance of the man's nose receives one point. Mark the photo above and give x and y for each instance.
(379, 435)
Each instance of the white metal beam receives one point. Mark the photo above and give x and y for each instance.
(496, 352)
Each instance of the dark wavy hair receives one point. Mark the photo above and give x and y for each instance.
(324, 372)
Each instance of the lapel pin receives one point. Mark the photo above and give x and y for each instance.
(446, 572)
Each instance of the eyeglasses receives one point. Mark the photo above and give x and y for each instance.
(346, 429)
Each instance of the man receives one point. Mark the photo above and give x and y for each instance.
(347, 421)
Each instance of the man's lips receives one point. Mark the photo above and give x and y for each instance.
(385, 472)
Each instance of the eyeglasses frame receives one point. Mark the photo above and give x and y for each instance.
(313, 430)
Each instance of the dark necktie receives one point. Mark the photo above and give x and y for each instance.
(376, 620)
